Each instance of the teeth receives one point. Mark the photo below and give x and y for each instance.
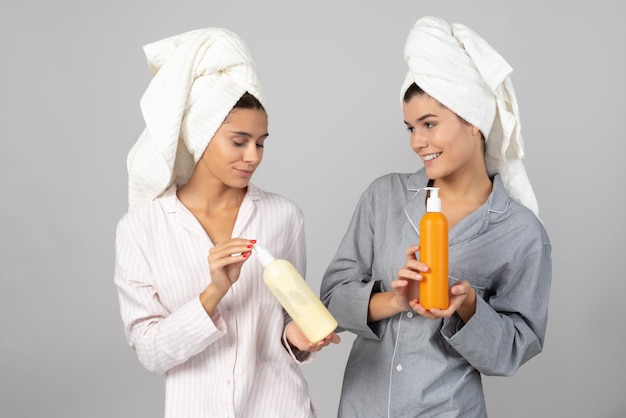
(431, 156)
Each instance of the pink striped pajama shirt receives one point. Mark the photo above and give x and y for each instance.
(234, 364)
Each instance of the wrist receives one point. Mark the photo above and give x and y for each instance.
(210, 297)
(395, 305)
(468, 307)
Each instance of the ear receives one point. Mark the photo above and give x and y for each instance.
(475, 130)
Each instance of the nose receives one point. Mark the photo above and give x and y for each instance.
(418, 141)
(252, 154)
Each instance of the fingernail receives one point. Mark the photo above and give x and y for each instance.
(253, 241)
(245, 255)
(250, 246)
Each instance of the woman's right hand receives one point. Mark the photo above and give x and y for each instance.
(406, 285)
(225, 261)
(405, 289)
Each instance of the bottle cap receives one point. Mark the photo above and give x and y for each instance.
(433, 203)
(264, 256)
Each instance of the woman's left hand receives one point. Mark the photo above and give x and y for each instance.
(462, 301)
(296, 338)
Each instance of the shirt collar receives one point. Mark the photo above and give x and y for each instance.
(170, 203)
(475, 223)
(497, 202)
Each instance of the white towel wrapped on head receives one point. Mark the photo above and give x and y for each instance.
(198, 77)
(458, 68)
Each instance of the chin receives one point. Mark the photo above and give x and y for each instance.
(432, 173)
(239, 184)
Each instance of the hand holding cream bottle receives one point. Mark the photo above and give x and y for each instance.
(433, 288)
(296, 296)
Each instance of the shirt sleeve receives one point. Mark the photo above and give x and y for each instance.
(509, 328)
(347, 284)
(162, 339)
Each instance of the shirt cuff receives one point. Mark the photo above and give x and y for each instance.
(459, 333)
(210, 327)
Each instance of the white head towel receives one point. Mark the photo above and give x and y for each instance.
(198, 77)
(458, 68)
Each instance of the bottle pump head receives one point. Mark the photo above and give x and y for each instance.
(264, 256)
(433, 203)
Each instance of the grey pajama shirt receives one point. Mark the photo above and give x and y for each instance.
(409, 366)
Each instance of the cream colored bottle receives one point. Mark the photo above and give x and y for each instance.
(296, 296)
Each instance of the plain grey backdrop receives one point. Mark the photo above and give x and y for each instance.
(71, 77)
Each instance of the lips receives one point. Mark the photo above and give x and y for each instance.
(245, 173)
(429, 157)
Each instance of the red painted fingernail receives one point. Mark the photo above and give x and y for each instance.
(250, 246)
(245, 255)
(253, 241)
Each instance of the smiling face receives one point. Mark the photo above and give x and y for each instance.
(236, 149)
(447, 145)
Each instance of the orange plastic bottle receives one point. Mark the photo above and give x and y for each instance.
(434, 253)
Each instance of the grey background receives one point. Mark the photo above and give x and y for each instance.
(71, 77)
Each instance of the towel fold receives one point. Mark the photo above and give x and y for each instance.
(458, 68)
(198, 77)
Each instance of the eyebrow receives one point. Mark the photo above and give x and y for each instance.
(248, 134)
(426, 116)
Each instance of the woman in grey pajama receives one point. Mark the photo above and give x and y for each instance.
(460, 109)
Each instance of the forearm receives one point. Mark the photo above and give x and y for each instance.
(383, 305)
(495, 344)
(210, 298)
(167, 342)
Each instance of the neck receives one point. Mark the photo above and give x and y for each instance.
(210, 197)
(465, 187)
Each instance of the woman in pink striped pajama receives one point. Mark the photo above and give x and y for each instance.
(191, 293)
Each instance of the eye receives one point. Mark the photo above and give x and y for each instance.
(239, 144)
(429, 125)
(260, 145)
(410, 129)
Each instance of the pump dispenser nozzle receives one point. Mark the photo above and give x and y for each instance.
(433, 203)
(265, 257)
